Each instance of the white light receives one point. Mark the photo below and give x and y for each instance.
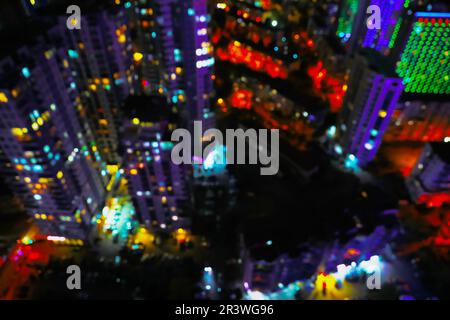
(274, 23)
(55, 238)
(368, 146)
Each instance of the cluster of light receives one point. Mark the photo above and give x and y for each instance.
(238, 53)
(120, 33)
(221, 6)
(425, 65)
(205, 63)
(118, 216)
(213, 164)
(366, 267)
(346, 19)
(332, 87)
(351, 162)
(242, 99)
(434, 199)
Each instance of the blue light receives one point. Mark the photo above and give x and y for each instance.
(191, 12)
(351, 162)
(331, 131)
(37, 197)
(26, 72)
(73, 54)
(433, 14)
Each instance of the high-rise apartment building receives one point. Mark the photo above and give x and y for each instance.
(44, 157)
(157, 186)
(374, 91)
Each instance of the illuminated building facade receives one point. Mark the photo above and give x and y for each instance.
(429, 182)
(420, 118)
(424, 65)
(352, 27)
(351, 21)
(43, 153)
(370, 101)
(157, 186)
(158, 58)
(101, 58)
(173, 54)
(198, 60)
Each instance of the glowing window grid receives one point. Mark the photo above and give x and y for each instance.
(424, 65)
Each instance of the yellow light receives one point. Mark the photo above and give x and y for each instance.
(136, 121)
(33, 2)
(112, 168)
(164, 200)
(93, 87)
(35, 126)
(40, 121)
(344, 87)
(17, 132)
(3, 97)
(220, 101)
(137, 56)
(27, 179)
(59, 175)
(122, 38)
(221, 5)
(74, 21)
(178, 70)
(133, 172)
(382, 113)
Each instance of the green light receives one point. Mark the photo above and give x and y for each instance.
(395, 33)
(424, 65)
(346, 19)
